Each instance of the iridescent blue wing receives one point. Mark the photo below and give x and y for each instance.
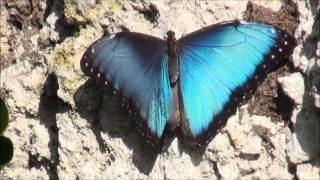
(218, 65)
(135, 65)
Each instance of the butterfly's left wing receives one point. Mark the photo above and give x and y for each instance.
(135, 65)
(219, 65)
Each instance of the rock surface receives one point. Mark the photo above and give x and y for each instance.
(65, 126)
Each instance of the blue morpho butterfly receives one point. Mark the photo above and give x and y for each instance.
(191, 85)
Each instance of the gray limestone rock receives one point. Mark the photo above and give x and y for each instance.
(65, 126)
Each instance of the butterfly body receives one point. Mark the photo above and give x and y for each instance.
(192, 84)
(173, 64)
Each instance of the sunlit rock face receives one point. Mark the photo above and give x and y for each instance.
(65, 126)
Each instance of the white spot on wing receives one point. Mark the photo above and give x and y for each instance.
(92, 50)
(273, 31)
(87, 64)
(244, 22)
(98, 75)
(280, 50)
(111, 36)
(143, 115)
(285, 42)
(91, 70)
(272, 56)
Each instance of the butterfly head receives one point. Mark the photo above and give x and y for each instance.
(171, 35)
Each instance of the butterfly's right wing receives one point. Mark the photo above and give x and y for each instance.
(136, 66)
(219, 65)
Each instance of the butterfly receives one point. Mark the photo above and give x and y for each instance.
(190, 85)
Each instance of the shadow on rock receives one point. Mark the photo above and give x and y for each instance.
(194, 152)
(307, 127)
(50, 104)
(97, 105)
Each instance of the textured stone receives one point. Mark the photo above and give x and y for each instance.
(304, 144)
(23, 88)
(252, 145)
(274, 5)
(219, 148)
(66, 62)
(314, 78)
(308, 171)
(306, 55)
(278, 171)
(228, 169)
(81, 12)
(263, 126)
(84, 135)
(293, 86)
